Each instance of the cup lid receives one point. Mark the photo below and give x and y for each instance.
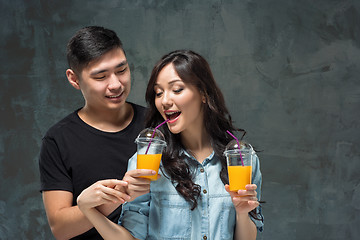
(233, 147)
(147, 133)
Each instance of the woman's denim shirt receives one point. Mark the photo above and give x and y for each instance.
(164, 214)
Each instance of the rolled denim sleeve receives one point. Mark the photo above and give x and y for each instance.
(257, 179)
(135, 215)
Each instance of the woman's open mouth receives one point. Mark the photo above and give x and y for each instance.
(172, 115)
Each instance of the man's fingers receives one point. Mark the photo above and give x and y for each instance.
(111, 198)
(112, 183)
(116, 193)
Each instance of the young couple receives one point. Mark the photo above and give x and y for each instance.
(87, 180)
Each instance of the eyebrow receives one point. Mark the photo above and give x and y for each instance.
(105, 70)
(171, 82)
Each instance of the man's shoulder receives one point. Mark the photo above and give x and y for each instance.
(139, 110)
(138, 107)
(60, 125)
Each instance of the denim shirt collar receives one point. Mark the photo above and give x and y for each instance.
(191, 157)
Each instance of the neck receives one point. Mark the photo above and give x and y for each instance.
(107, 120)
(197, 143)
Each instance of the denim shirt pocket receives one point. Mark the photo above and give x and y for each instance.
(175, 217)
(225, 212)
(228, 213)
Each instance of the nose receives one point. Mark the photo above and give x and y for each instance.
(166, 100)
(114, 82)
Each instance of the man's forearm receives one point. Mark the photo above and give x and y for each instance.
(71, 222)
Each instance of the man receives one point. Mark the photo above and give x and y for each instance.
(95, 141)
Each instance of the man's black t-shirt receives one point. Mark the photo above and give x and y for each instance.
(74, 155)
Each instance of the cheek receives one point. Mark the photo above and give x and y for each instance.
(158, 104)
(193, 104)
(126, 79)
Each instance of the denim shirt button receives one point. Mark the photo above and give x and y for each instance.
(202, 170)
(205, 237)
(204, 191)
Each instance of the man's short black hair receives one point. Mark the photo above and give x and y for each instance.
(90, 43)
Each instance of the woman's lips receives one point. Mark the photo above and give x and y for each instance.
(172, 115)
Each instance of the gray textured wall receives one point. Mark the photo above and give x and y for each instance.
(289, 70)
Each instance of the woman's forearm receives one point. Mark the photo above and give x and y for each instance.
(245, 228)
(107, 229)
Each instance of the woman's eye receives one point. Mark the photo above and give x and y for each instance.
(178, 90)
(158, 94)
(158, 91)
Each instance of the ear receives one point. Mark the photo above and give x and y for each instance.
(73, 78)
(203, 98)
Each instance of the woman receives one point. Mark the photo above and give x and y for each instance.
(191, 200)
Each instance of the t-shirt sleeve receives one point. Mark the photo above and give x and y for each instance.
(53, 173)
(257, 179)
(135, 215)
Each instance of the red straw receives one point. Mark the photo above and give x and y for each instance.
(237, 141)
(152, 136)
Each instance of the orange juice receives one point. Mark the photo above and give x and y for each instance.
(239, 177)
(149, 161)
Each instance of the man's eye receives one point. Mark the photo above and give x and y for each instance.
(121, 71)
(99, 77)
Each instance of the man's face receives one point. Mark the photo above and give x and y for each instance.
(105, 83)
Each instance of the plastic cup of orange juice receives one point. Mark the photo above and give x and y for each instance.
(239, 163)
(150, 145)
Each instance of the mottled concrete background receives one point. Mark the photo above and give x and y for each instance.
(289, 70)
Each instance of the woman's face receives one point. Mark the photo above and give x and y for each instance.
(177, 101)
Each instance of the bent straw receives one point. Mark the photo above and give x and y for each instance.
(152, 136)
(237, 141)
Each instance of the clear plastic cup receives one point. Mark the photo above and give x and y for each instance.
(239, 166)
(150, 146)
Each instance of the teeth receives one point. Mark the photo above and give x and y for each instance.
(115, 96)
(171, 113)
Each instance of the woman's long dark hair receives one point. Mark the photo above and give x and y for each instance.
(192, 69)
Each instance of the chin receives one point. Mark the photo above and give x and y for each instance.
(175, 130)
